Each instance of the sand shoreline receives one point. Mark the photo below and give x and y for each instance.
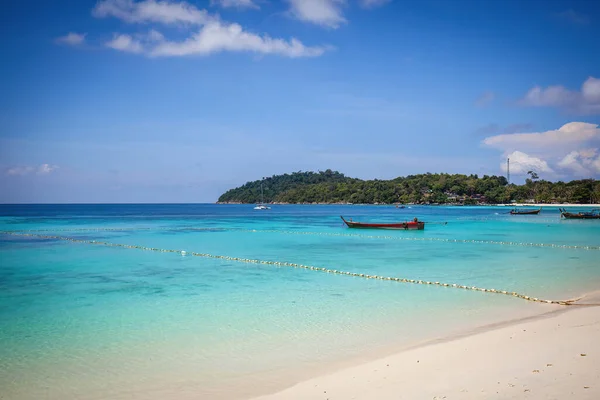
(533, 357)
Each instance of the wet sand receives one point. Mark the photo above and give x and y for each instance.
(554, 356)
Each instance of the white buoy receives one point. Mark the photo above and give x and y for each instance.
(183, 253)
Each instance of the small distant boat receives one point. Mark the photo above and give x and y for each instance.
(261, 205)
(416, 224)
(525, 212)
(594, 214)
(400, 206)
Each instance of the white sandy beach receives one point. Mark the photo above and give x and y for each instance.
(555, 356)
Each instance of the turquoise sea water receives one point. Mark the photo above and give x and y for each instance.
(88, 321)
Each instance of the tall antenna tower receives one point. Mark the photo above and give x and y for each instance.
(508, 170)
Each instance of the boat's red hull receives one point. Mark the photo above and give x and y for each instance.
(399, 225)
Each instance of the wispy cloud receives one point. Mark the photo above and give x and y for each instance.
(373, 3)
(125, 43)
(571, 148)
(159, 11)
(585, 101)
(19, 170)
(327, 13)
(154, 36)
(240, 4)
(211, 35)
(46, 169)
(72, 39)
(42, 169)
(485, 99)
(574, 17)
(217, 37)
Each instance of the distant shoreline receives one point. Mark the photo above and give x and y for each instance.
(434, 205)
(434, 189)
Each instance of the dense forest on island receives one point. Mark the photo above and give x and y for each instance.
(334, 187)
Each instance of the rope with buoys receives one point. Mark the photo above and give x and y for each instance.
(382, 237)
(428, 239)
(301, 266)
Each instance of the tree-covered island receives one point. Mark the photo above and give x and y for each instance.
(332, 187)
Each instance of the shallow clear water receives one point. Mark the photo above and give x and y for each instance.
(88, 321)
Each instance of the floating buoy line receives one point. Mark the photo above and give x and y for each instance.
(382, 237)
(294, 265)
(427, 239)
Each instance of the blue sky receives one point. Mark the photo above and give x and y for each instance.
(170, 101)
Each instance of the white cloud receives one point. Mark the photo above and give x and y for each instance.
(586, 101)
(590, 91)
(373, 3)
(216, 37)
(160, 11)
(582, 163)
(572, 162)
(125, 43)
(569, 137)
(326, 13)
(28, 169)
(72, 39)
(568, 149)
(588, 153)
(485, 99)
(213, 36)
(234, 4)
(521, 162)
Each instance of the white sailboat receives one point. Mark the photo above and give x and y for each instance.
(261, 205)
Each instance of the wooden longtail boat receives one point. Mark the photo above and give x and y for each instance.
(594, 214)
(525, 212)
(418, 225)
